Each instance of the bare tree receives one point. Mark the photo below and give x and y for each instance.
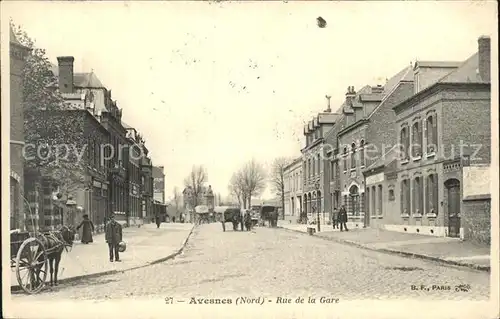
(196, 180)
(278, 179)
(254, 180)
(236, 187)
(177, 198)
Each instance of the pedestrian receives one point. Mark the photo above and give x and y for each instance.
(343, 218)
(113, 238)
(248, 220)
(158, 221)
(87, 229)
(335, 218)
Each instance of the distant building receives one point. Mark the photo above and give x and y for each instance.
(159, 184)
(293, 189)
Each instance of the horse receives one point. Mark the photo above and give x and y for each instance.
(55, 242)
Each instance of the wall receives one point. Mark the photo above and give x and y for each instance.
(17, 56)
(476, 220)
(476, 181)
(381, 132)
(467, 118)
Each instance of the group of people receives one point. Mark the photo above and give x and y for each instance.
(113, 235)
(339, 217)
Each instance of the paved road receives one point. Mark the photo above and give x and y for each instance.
(275, 262)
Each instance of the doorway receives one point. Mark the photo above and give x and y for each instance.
(453, 195)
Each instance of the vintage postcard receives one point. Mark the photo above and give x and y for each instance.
(271, 159)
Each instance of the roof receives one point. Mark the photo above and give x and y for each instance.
(405, 75)
(158, 172)
(13, 39)
(465, 73)
(126, 126)
(81, 79)
(385, 159)
(437, 64)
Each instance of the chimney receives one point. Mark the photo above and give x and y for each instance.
(484, 58)
(377, 89)
(65, 64)
(350, 95)
(328, 109)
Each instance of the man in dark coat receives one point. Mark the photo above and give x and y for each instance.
(335, 218)
(158, 221)
(343, 218)
(113, 238)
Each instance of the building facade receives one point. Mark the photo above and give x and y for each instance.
(359, 138)
(147, 185)
(80, 176)
(159, 184)
(18, 214)
(117, 152)
(444, 144)
(134, 178)
(315, 168)
(293, 186)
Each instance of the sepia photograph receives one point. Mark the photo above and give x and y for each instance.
(270, 159)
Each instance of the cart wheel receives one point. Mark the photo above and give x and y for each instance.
(31, 265)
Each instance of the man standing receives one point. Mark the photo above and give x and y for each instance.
(343, 218)
(113, 238)
(335, 218)
(157, 220)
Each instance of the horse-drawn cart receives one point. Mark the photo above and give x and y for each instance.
(29, 259)
(31, 254)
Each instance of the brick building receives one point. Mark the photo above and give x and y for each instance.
(134, 152)
(117, 178)
(315, 167)
(147, 185)
(18, 215)
(358, 138)
(80, 175)
(293, 189)
(443, 130)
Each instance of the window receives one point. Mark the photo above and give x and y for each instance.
(313, 170)
(319, 164)
(380, 208)
(417, 196)
(374, 200)
(368, 198)
(404, 142)
(345, 159)
(353, 156)
(362, 153)
(391, 195)
(405, 197)
(431, 134)
(416, 147)
(431, 191)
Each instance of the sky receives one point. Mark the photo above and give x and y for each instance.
(217, 84)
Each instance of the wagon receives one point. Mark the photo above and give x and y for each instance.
(28, 257)
(226, 214)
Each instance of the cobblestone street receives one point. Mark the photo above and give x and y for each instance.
(275, 262)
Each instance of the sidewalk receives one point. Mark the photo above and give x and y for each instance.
(442, 249)
(146, 245)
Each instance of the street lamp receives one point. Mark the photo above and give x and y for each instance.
(316, 186)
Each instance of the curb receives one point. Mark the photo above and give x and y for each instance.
(397, 252)
(17, 288)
